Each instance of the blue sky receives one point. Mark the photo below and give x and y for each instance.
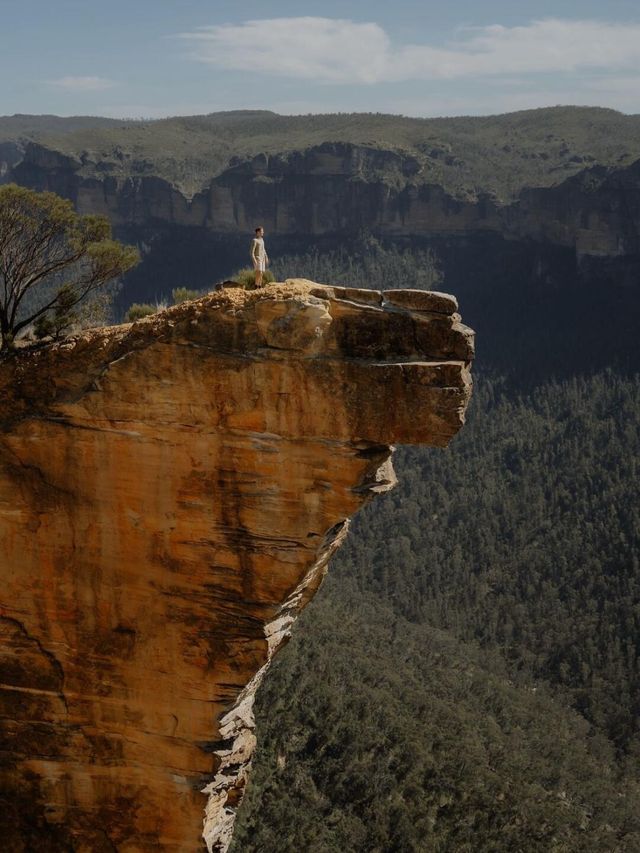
(150, 58)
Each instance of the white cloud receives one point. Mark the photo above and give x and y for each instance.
(331, 50)
(82, 84)
(326, 49)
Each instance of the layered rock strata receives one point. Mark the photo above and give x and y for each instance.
(170, 494)
(333, 188)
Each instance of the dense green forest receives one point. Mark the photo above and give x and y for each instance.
(467, 680)
(523, 536)
(467, 155)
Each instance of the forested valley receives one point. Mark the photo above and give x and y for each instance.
(467, 680)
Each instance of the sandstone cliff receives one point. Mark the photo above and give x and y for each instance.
(336, 188)
(170, 495)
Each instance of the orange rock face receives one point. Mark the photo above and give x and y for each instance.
(170, 495)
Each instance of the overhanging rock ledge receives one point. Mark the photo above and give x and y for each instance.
(171, 492)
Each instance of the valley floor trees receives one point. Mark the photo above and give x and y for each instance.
(468, 680)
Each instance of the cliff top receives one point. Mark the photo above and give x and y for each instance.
(296, 320)
(498, 155)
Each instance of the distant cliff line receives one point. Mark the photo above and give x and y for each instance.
(565, 176)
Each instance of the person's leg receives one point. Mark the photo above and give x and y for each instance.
(258, 276)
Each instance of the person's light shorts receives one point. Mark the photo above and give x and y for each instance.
(259, 266)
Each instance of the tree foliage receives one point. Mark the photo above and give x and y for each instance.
(524, 536)
(379, 734)
(467, 154)
(468, 680)
(366, 263)
(51, 260)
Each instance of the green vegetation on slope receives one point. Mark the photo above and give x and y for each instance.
(376, 734)
(468, 679)
(467, 155)
(366, 264)
(17, 127)
(524, 537)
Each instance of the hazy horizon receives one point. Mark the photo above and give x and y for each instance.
(312, 113)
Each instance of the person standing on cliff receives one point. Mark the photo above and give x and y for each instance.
(259, 255)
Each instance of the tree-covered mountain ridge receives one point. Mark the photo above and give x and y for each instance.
(469, 157)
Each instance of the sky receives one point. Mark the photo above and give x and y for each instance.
(153, 58)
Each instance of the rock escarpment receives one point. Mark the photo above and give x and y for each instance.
(338, 188)
(170, 495)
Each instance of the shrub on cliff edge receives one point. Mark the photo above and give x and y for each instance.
(247, 278)
(139, 310)
(184, 294)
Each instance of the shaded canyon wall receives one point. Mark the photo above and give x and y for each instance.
(335, 188)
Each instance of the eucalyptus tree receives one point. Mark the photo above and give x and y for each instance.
(52, 260)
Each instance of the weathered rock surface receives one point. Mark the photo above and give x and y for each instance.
(170, 494)
(337, 188)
